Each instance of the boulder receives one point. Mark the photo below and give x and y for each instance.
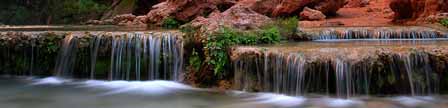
(238, 17)
(413, 10)
(357, 3)
(122, 20)
(311, 14)
(185, 10)
(277, 8)
(328, 7)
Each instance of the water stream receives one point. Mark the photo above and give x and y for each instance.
(340, 68)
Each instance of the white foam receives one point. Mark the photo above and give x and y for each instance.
(409, 101)
(341, 103)
(277, 99)
(145, 87)
(50, 81)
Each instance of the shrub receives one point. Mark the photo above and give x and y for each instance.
(287, 26)
(270, 35)
(218, 43)
(444, 22)
(170, 23)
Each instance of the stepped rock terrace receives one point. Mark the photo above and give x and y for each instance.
(347, 62)
(139, 55)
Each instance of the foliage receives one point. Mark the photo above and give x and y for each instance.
(270, 35)
(218, 43)
(194, 60)
(170, 23)
(286, 26)
(50, 11)
(444, 22)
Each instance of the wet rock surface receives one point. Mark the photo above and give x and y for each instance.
(305, 65)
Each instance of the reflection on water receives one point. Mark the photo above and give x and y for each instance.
(55, 92)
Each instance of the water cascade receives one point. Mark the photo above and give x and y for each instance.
(131, 56)
(94, 55)
(346, 69)
(411, 33)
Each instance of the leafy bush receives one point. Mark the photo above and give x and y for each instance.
(270, 35)
(287, 26)
(444, 22)
(170, 23)
(50, 11)
(194, 60)
(218, 44)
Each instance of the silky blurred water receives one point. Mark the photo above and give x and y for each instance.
(53, 92)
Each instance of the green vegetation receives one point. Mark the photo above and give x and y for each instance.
(218, 43)
(194, 60)
(444, 22)
(287, 26)
(19, 12)
(170, 23)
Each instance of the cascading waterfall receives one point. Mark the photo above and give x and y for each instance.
(67, 56)
(357, 33)
(422, 80)
(131, 56)
(295, 73)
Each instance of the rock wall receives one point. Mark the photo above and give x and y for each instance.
(412, 10)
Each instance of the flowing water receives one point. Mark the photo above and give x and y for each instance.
(347, 64)
(386, 67)
(132, 56)
(67, 93)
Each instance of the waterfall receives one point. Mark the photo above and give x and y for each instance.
(422, 80)
(131, 56)
(294, 73)
(378, 33)
(67, 56)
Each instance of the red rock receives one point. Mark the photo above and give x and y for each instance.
(357, 3)
(184, 10)
(328, 7)
(123, 18)
(238, 17)
(332, 24)
(311, 14)
(413, 10)
(292, 7)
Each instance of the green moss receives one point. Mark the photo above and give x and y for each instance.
(170, 23)
(444, 22)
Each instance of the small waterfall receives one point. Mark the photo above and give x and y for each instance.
(378, 33)
(277, 73)
(19, 51)
(422, 80)
(67, 56)
(294, 73)
(131, 56)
